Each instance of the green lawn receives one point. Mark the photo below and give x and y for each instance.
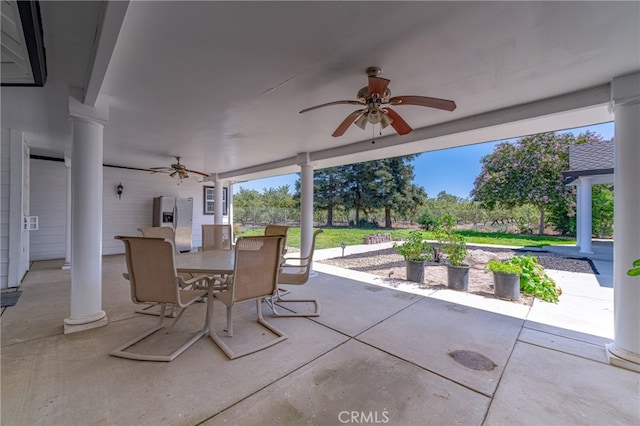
(333, 237)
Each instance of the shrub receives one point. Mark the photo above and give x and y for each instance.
(505, 267)
(534, 281)
(367, 224)
(427, 220)
(451, 242)
(414, 247)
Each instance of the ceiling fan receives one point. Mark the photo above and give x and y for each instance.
(177, 169)
(373, 97)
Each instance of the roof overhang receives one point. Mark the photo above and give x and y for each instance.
(23, 54)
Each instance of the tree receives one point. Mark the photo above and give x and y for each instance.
(393, 187)
(327, 190)
(528, 172)
(564, 215)
(277, 202)
(357, 192)
(246, 204)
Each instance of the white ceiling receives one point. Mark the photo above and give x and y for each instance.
(221, 83)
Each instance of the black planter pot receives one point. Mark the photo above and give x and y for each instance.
(415, 271)
(458, 277)
(506, 286)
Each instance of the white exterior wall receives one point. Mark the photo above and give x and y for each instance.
(120, 216)
(14, 205)
(48, 201)
(5, 145)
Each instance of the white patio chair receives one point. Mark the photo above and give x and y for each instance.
(295, 274)
(153, 278)
(257, 260)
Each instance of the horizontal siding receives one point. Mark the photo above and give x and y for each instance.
(5, 167)
(48, 201)
(120, 216)
(135, 209)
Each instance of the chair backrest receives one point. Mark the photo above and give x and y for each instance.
(278, 230)
(151, 269)
(216, 237)
(165, 232)
(256, 269)
(301, 274)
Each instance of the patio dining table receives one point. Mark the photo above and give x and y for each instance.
(215, 265)
(207, 262)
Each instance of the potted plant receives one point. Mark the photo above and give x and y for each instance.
(506, 278)
(413, 250)
(534, 281)
(454, 246)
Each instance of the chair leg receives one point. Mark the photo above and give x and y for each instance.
(280, 336)
(122, 353)
(277, 299)
(146, 311)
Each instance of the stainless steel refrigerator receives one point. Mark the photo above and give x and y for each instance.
(177, 213)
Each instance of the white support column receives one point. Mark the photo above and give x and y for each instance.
(625, 349)
(86, 217)
(217, 201)
(578, 213)
(306, 203)
(585, 214)
(67, 253)
(230, 212)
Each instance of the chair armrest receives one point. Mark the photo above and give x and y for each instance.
(306, 258)
(190, 281)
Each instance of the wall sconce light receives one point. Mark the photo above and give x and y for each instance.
(119, 190)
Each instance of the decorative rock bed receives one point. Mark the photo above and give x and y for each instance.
(390, 265)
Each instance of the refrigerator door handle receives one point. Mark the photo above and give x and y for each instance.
(175, 217)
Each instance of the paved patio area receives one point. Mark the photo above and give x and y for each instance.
(375, 355)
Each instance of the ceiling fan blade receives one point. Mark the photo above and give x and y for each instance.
(347, 122)
(332, 103)
(398, 122)
(377, 85)
(197, 172)
(173, 174)
(444, 104)
(159, 168)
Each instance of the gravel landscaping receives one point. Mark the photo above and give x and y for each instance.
(389, 264)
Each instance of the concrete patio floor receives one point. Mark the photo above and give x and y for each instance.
(376, 355)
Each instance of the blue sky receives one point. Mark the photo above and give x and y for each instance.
(452, 170)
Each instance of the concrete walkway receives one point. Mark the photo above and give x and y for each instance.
(375, 355)
(587, 299)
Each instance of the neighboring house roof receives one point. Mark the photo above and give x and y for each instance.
(590, 159)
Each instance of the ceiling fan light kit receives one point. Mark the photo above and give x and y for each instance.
(373, 97)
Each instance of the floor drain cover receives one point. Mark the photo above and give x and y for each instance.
(473, 360)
